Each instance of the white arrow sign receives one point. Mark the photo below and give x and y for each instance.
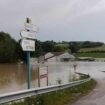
(28, 45)
(30, 27)
(28, 34)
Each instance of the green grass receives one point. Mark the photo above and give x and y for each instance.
(61, 97)
(95, 55)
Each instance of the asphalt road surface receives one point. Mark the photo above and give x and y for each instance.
(97, 96)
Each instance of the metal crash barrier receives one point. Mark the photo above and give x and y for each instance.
(4, 98)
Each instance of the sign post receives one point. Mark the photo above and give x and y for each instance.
(42, 74)
(28, 44)
(28, 70)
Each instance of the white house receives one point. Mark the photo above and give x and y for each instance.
(58, 56)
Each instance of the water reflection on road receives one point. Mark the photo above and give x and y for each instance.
(13, 76)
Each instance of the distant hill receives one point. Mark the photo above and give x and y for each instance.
(93, 49)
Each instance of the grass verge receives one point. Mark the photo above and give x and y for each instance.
(60, 97)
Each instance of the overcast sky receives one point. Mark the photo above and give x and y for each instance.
(67, 20)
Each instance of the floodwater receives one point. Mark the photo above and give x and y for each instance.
(13, 77)
(94, 69)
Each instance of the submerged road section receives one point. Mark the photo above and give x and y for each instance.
(97, 96)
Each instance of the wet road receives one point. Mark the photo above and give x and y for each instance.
(97, 96)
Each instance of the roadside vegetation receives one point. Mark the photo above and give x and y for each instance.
(60, 97)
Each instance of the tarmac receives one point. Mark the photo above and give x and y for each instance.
(95, 97)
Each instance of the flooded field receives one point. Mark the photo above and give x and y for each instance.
(13, 77)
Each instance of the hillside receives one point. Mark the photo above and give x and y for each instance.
(94, 49)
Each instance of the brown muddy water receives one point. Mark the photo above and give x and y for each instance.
(13, 77)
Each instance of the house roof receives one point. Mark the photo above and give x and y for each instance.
(54, 54)
(60, 54)
(67, 56)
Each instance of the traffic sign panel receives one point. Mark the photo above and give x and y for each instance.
(28, 34)
(28, 45)
(30, 27)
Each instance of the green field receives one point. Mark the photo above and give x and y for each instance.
(101, 48)
(94, 55)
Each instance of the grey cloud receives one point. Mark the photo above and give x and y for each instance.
(56, 19)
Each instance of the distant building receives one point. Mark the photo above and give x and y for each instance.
(58, 56)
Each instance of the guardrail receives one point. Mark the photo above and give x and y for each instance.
(4, 98)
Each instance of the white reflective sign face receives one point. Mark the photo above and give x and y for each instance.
(28, 45)
(28, 34)
(30, 27)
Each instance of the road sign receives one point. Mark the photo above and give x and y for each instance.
(28, 45)
(28, 34)
(30, 27)
(42, 75)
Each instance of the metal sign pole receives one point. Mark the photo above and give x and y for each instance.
(47, 75)
(38, 76)
(28, 65)
(28, 71)
(28, 44)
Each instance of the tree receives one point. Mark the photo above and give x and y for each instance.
(73, 47)
(60, 48)
(89, 44)
(48, 46)
(8, 48)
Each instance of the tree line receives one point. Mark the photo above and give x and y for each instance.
(11, 51)
(72, 46)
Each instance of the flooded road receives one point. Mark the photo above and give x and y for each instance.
(97, 96)
(94, 69)
(13, 76)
